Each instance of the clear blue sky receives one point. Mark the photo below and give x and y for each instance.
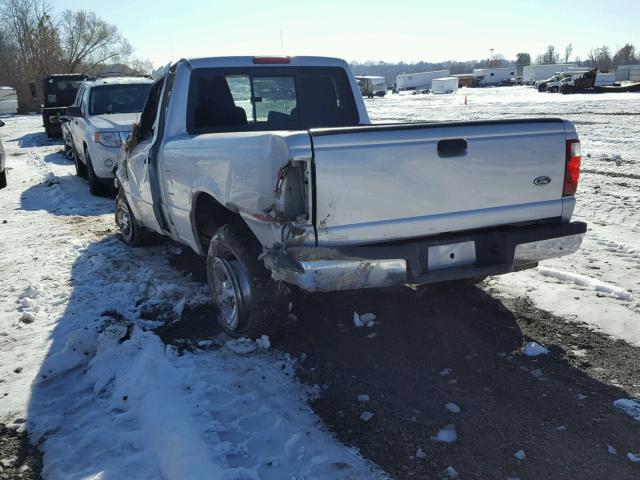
(164, 30)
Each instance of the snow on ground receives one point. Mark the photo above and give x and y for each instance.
(82, 369)
(599, 285)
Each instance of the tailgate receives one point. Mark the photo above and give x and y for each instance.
(381, 183)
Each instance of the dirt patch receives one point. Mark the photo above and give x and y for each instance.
(465, 347)
(18, 458)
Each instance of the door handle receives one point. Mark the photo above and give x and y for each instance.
(454, 147)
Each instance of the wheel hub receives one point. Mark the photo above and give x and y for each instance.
(231, 291)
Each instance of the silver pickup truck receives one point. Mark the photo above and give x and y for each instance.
(270, 168)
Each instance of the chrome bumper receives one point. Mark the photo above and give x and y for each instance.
(546, 249)
(331, 275)
(323, 275)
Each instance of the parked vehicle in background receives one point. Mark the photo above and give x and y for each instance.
(531, 74)
(491, 77)
(8, 100)
(3, 173)
(552, 84)
(100, 119)
(587, 82)
(58, 92)
(444, 85)
(418, 81)
(371, 86)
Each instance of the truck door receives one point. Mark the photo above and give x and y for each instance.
(137, 161)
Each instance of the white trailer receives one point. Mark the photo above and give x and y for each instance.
(418, 81)
(628, 73)
(534, 73)
(444, 85)
(370, 86)
(494, 76)
(8, 100)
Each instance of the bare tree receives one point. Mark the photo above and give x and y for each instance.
(549, 57)
(600, 58)
(568, 50)
(88, 41)
(31, 36)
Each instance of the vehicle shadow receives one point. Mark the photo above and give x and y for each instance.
(57, 158)
(462, 346)
(34, 139)
(84, 433)
(65, 195)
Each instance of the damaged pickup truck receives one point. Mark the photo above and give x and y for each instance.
(270, 168)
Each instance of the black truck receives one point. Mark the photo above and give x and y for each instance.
(58, 92)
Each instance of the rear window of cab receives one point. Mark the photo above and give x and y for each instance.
(269, 98)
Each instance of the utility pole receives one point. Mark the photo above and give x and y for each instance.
(281, 43)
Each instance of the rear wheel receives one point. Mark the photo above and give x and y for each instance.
(249, 302)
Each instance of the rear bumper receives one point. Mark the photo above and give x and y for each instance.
(497, 251)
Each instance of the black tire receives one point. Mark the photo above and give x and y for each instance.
(234, 273)
(3, 179)
(96, 187)
(131, 232)
(542, 87)
(81, 168)
(555, 89)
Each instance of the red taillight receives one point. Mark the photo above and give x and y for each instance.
(572, 168)
(263, 60)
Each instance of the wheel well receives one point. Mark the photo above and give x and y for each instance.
(207, 216)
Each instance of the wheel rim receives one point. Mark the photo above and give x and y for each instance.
(231, 291)
(124, 220)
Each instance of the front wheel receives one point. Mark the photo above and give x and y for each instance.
(131, 232)
(249, 302)
(96, 187)
(81, 168)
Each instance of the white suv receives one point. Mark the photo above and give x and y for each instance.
(100, 119)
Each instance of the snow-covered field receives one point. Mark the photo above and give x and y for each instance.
(601, 284)
(81, 368)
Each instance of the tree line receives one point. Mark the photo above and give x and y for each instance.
(36, 42)
(601, 57)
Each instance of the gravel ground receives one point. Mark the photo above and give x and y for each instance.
(18, 459)
(461, 346)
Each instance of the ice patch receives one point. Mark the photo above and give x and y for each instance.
(451, 472)
(628, 406)
(420, 454)
(446, 435)
(366, 416)
(263, 342)
(590, 283)
(635, 458)
(241, 346)
(357, 322)
(363, 398)
(78, 350)
(452, 408)
(520, 455)
(533, 349)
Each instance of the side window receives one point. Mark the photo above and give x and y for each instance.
(150, 111)
(275, 98)
(215, 105)
(76, 102)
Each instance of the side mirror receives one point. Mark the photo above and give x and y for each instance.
(74, 111)
(1, 123)
(32, 87)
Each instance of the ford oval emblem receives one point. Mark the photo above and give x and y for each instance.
(544, 180)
